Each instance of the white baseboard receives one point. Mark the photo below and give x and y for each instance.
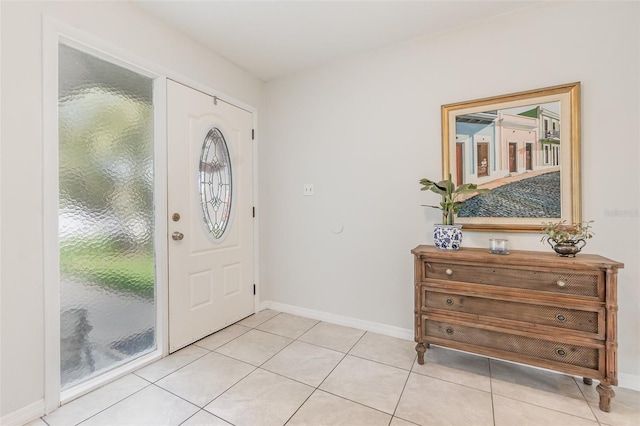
(375, 327)
(24, 415)
(627, 381)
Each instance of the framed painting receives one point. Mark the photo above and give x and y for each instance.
(525, 147)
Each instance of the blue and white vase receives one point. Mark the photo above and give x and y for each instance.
(447, 237)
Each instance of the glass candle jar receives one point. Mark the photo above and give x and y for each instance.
(499, 246)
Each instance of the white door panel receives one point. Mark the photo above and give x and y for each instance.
(210, 279)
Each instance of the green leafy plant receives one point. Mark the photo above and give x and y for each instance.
(561, 232)
(449, 193)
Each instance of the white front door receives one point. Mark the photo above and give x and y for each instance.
(210, 223)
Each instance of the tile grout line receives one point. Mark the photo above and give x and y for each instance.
(493, 404)
(336, 366)
(299, 407)
(403, 388)
(177, 369)
(206, 337)
(116, 403)
(255, 367)
(191, 362)
(202, 409)
(271, 372)
(552, 409)
(575, 380)
(317, 388)
(451, 382)
(339, 362)
(345, 354)
(410, 369)
(355, 402)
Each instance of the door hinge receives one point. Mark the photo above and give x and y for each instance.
(254, 289)
(254, 212)
(253, 134)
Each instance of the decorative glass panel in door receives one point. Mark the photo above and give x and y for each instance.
(215, 182)
(107, 274)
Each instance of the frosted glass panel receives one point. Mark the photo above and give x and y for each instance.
(106, 215)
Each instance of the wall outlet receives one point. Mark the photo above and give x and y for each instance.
(307, 189)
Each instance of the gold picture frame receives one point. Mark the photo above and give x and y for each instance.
(524, 146)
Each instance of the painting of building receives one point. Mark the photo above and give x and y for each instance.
(549, 130)
(475, 146)
(506, 143)
(516, 153)
(518, 135)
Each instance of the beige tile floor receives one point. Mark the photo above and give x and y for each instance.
(275, 368)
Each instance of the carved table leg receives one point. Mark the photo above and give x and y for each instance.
(606, 393)
(587, 381)
(421, 349)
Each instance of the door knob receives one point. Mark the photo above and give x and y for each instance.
(177, 236)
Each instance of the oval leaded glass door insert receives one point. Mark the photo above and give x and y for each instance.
(215, 183)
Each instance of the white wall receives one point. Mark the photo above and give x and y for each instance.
(365, 130)
(117, 23)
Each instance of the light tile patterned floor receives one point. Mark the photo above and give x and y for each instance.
(275, 369)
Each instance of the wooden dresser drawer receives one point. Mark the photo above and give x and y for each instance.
(560, 282)
(585, 321)
(518, 345)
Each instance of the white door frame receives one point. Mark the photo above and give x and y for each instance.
(55, 31)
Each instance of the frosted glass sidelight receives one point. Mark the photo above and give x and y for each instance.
(215, 183)
(107, 273)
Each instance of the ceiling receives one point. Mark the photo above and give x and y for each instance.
(271, 39)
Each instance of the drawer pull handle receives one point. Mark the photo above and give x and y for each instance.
(561, 284)
(449, 330)
(449, 302)
(561, 318)
(448, 272)
(560, 352)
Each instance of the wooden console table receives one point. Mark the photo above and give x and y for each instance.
(529, 307)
